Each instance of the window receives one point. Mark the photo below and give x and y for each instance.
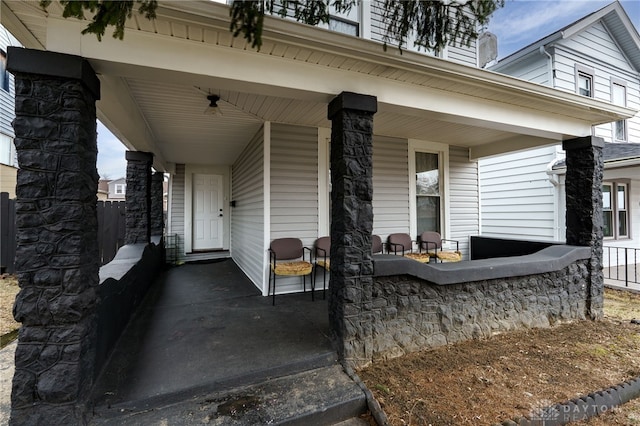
(615, 213)
(585, 84)
(343, 26)
(120, 188)
(428, 205)
(4, 74)
(619, 97)
(7, 151)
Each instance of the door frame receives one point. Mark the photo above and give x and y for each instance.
(190, 170)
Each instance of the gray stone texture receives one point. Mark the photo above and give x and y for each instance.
(352, 224)
(157, 208)
(585, 167)
(57, 254)
(138, 198)
(408, 314)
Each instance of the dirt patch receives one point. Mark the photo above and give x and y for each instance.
(483, 382)
(8, 291)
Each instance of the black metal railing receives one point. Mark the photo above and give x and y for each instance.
(621, 264)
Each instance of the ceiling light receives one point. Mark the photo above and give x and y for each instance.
(213, 108)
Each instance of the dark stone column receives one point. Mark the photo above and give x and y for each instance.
(585, 167)
(57, 253)
(351, 286)
(157, 205)
(138, 198)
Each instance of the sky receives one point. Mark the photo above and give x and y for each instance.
(518, 24)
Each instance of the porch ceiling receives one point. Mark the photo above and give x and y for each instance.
(155, 83)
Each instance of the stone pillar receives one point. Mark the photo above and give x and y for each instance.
(157, 205)
(138, 198)
(350, 296)
(585, 167)
(57, 253)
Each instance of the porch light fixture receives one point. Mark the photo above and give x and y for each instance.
(213, 108)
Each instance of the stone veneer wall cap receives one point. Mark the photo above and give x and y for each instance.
(138, 156)
(53, 64)
(550, 259)
(584, 142)
(353, 101)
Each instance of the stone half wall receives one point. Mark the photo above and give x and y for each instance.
(408, 313)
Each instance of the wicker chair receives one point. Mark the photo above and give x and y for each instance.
(403, 244)
(432, 243)
(287, 258)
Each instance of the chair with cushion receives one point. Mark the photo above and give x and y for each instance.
(322, 254)
(432, 243)
(376, 244)
(402, 244)
(287, 258)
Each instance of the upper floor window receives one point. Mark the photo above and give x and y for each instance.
(120, 188)
(7, 151)
(619, 97)
(344, 26)
(585, 84)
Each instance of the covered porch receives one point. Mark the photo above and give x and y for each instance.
(301, 107)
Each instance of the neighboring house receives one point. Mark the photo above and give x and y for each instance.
(261, 170)
(523, 193)
(8, 160)
(117, 189)
(103, 190)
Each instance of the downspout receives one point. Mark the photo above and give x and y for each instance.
(550, 66)
(554, 178)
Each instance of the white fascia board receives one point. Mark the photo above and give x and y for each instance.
(279, 76)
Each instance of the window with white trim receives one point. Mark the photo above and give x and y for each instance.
(585, 84)
(120, 188)
(7, 151)
(619, 97)
(428, 193)
(615, 210)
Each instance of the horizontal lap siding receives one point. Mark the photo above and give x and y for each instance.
(247, 217)
(294, 189)
(7, 99)
(518, 199)
(534, 69)
(390, 186)
(463, 194)
(176, 226)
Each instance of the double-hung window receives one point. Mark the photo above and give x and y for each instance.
(619, 97)
(120, 188)
(615, 210)
(584, 81)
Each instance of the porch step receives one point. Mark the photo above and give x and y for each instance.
(323, 396)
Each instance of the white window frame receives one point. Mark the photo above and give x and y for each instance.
(616, 82)
(615, 209)
(443, 162)
(120, 188)
(589, 74)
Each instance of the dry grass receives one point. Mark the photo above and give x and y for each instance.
(484, 382)
(8, 291)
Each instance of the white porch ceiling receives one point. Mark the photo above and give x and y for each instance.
(155, 83)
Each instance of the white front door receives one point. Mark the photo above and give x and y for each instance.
(207, 212)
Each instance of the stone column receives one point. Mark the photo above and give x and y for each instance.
(157, 205)
(138, 198)
(585, 167)
(350, 296)
(57, 254)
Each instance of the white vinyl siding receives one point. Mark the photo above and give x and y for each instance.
(463, 203)
(518, 199)
(534, 68)
(390, 186)
(294, 189)
(462, 54)
(176, 223)
(247, 217)
(7, 99)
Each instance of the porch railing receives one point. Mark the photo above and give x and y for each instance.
(621, 264)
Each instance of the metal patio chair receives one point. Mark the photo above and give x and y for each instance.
(431, 242)
(287, 258)
(402, 244)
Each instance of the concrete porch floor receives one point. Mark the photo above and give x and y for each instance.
(204, 328)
